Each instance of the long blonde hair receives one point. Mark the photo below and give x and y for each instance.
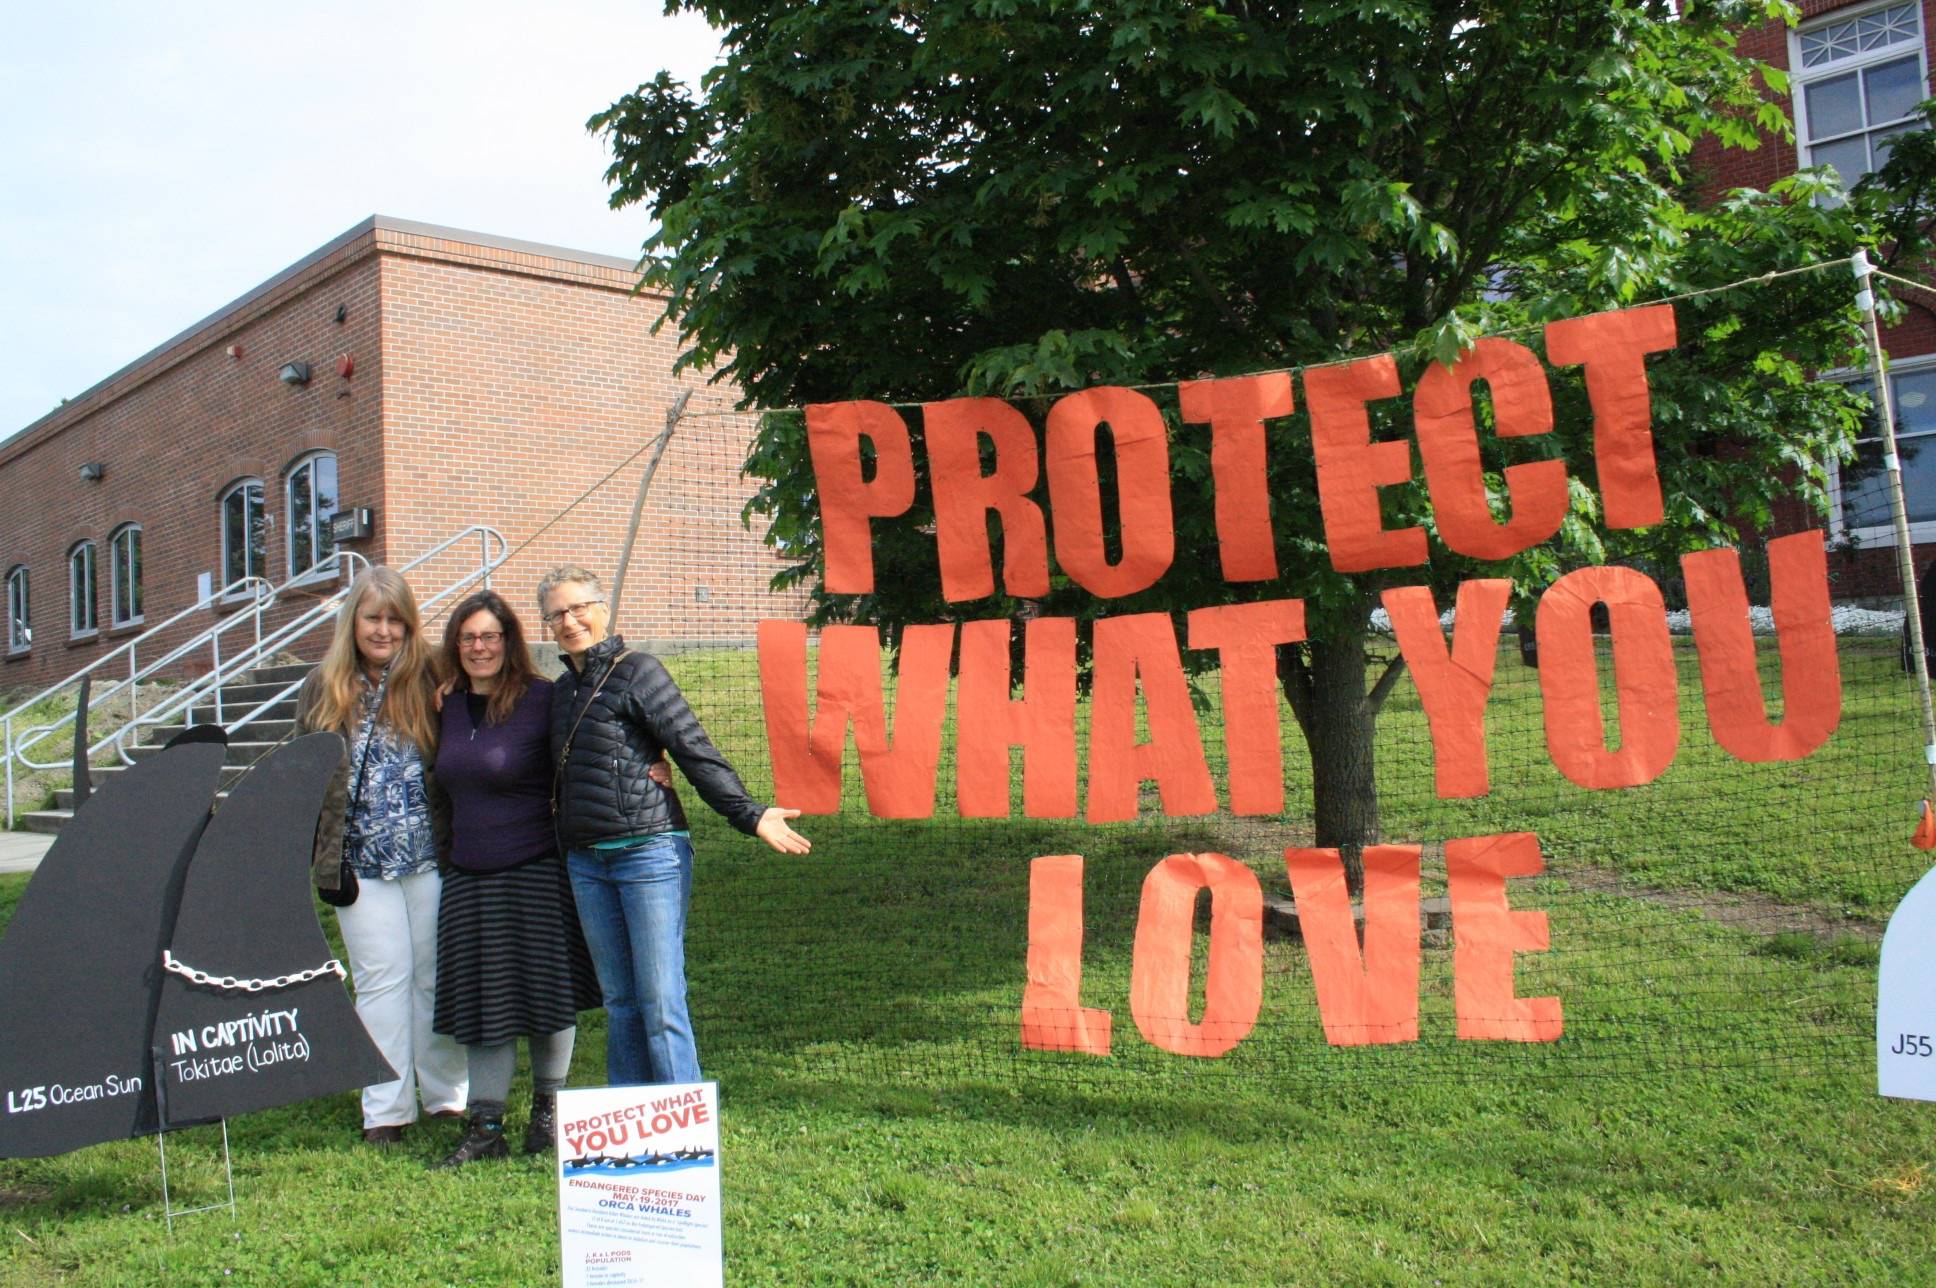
(407, 701)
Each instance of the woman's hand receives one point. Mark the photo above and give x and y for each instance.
(659, 772)
(444, 690)
(774, 831)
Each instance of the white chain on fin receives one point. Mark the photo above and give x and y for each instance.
(193, 976)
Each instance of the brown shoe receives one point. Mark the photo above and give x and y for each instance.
(449, 1115)
(383, 1136)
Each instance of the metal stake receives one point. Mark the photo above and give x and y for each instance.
(168, 1208)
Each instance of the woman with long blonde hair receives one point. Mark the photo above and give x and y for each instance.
(382, 825)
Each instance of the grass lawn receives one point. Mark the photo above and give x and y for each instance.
(1709, 1114)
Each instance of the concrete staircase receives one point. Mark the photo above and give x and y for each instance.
(246, 745)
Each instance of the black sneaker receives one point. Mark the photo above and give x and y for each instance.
(485, 1139)
(541, 1136)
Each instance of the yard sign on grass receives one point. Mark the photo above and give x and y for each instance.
(638, 1185)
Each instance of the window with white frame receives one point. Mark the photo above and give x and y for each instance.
(245, 542)
(311, 494)
(1862, 485)
(20, 628)
(124, 567)
(80, 589)
(1857, 78)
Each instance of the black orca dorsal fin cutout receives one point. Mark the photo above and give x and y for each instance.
(80, 963)
(247, 913)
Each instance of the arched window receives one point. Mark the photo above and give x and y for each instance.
(244, 532)
(311, 494)
(80, 589)
(124, 568)
(20, 628)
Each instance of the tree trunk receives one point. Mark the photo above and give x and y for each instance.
(1324, 681)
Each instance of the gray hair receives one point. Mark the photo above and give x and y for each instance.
(563, 574)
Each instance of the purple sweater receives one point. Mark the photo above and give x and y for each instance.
(498, 778)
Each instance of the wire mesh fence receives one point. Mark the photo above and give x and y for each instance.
(1722, 913)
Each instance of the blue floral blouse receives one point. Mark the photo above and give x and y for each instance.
(388, 832)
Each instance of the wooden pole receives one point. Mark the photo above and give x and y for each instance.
(673, 413)
(1885, 406)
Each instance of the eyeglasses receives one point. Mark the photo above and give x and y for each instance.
(488, 639)
(576, 610)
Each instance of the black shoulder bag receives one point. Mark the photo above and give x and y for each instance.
(346, 885)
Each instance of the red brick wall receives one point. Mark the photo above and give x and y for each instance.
(172, 432)
(493, 384)
(509, 392)
(1721, 169)
(1870, 571)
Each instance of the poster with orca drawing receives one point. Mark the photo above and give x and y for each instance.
(121, 890)
(638, 1186)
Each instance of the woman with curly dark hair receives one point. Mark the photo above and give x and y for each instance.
(511, 959)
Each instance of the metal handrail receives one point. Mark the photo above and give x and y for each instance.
(264, 597)
(233, 590)
(493, 551)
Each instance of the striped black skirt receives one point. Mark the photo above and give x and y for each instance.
(511, 959)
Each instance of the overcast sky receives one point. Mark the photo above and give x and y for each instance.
(161, 160)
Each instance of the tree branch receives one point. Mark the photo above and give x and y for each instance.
(1375, 700)
(1207, 288)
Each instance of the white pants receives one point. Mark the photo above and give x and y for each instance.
(391, 934)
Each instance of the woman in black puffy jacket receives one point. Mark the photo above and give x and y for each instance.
(613, 712)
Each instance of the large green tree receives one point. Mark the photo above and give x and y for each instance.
(911, 201)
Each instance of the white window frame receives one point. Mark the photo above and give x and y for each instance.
(222, 518)
(83, 601)
(20, 624)
(1799, 77)
(124, 574)
(318, 528)
(1884, 533)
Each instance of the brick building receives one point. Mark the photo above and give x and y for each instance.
(1857, 72)
(438, 378)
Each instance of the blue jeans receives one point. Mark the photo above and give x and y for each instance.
(632, 903)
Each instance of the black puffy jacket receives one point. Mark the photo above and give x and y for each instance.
(601, 791)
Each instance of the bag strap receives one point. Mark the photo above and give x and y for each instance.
(564, 754)
(363, 761)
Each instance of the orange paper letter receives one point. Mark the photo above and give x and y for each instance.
(1486, 932)
(963, 497)
(1453, 684)
(1142, 490)
(1237, 409)
(847, 498)
(1143, 645)
(1643, 673)
(1370, 997)
(1351, 468)
(988, 721)
(1246, 637)
(1053, 1016)
(1448, 441)
(1159, 975)
(1614, 347)
(1811, 679)
(899, 775)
